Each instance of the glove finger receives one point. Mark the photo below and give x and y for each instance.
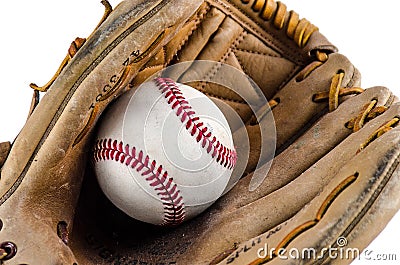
(345, 205)
(325, 135)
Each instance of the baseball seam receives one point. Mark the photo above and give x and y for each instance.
(224, 156)
(167, 190)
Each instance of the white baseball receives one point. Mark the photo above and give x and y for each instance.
(163, 153)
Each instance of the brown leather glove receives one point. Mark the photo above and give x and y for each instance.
(334, 174)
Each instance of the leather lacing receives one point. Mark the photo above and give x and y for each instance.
(336, 92)
(370, 111)
(73, 49)
(333, 95)
(300, 30)
(307, 225)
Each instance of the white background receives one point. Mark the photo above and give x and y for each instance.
(35, 36)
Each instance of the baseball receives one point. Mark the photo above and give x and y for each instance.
(163, 152)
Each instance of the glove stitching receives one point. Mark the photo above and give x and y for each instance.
(271, 40)
(200, 18)
(285, 80)
(213, 72)
(257, 52)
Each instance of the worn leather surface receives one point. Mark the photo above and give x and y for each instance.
(316, 149)
(309, 188)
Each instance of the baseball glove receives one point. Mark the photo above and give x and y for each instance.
(334, 174)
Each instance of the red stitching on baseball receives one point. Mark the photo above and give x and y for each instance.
(224, 156)
(167, 190)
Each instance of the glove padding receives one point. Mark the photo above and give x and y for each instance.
(334, 175)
